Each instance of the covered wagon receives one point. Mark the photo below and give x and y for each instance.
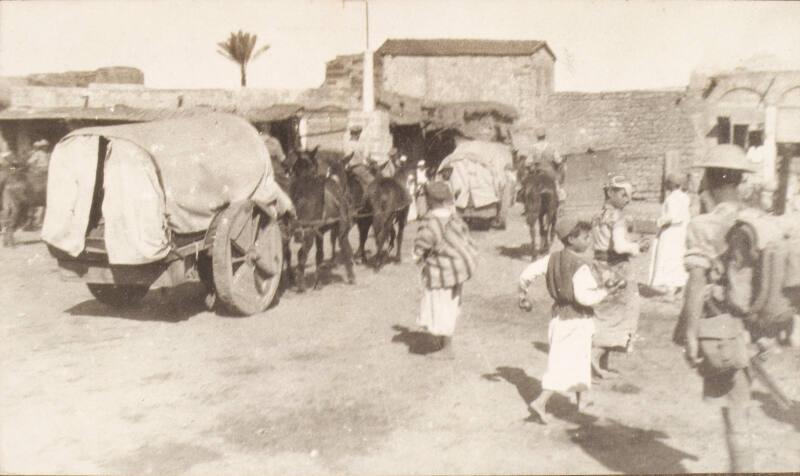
(137, 206)
(478, 173)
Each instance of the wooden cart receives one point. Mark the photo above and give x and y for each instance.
(221, 226)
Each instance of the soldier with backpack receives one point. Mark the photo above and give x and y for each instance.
(714, 338)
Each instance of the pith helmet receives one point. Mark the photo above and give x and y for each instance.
(726, 156)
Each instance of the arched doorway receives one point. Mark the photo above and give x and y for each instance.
(787, 138)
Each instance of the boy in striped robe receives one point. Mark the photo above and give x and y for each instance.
(447, 256)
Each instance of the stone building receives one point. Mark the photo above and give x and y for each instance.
(519, 73)
(513, 72)
(759, 111)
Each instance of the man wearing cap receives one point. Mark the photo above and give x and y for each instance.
(40, 158)
(543, 154)
(667, 273)
(618, 318)
(723, 167)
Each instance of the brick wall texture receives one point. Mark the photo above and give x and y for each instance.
(638, 128)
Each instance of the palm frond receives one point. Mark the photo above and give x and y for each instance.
(240, 48)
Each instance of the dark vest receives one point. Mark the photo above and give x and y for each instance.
(562, 267)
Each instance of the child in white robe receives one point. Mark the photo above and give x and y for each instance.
(572, 284)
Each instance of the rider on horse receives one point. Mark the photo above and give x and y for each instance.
(545, 158)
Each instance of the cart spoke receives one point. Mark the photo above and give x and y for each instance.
(247, 235)
(237, 247)
(241, 230)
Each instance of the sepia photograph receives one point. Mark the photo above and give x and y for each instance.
(399, 237)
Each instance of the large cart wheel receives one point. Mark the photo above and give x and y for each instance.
(247, 257)
(117, 295)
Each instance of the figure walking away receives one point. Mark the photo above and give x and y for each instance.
(447, 254)
(715, 341)
(617, 318)
(574, 287)
(545, 156)
(667, 273)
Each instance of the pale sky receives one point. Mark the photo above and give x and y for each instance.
(600, 45)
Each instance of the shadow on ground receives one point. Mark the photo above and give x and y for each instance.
(418, 342)
(618, 447)
(627, 449)
(323, 276)
(165, 304)
(772, 410)
(521, 252)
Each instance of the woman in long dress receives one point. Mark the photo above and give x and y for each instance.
(667, 274)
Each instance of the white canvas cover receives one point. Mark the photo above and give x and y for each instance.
(70, 184)
(478, 172)
(133, 206)
(199, 165)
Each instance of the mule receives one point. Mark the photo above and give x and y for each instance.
(321, 207)
(540, 200)
(23, 190)
(383, 204)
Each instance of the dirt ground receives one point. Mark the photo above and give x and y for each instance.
(336, 381)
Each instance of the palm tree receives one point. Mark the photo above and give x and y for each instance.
(239, 49)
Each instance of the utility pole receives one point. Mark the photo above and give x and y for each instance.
(368, 81)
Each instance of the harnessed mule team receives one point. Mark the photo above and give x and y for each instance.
(330, 198)
(211, 201)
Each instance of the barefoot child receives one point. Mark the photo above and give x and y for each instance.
(574, 289)
(447, 255)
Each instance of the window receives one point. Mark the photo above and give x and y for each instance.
(723, 130)
(740, 135)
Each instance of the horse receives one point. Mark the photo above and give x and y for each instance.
(382, 205)
(321, 206)
(22, 191)
(540, 199)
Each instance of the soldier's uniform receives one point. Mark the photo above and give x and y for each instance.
(705, 246)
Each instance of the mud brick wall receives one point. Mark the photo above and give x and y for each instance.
(325, 129)
(523, 82)
(638, 128)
